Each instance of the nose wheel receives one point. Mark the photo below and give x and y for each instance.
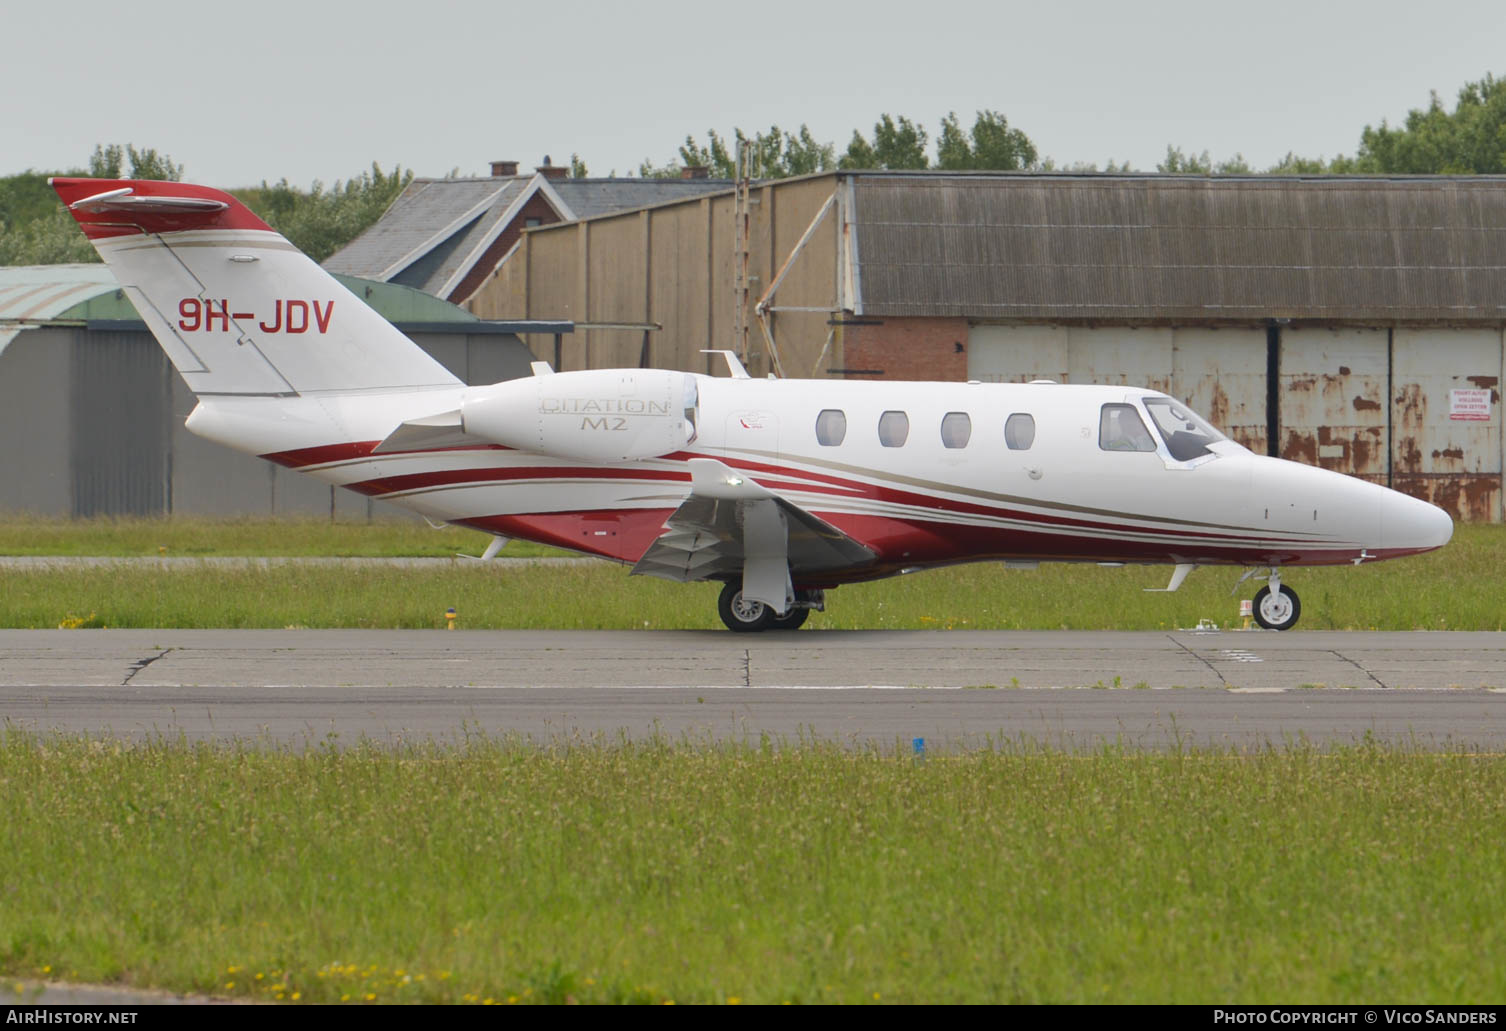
(1277, 607)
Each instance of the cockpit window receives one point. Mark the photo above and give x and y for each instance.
(1120, 428)
(1187, 436)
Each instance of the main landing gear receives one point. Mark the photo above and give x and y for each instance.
(1277, 607)
(746, 616)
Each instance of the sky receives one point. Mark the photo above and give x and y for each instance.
(318, 90)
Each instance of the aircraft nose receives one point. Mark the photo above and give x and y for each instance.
(1414, 525)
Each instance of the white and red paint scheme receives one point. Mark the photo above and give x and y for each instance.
(780, 488)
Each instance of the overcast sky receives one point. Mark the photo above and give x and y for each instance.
(316, 90)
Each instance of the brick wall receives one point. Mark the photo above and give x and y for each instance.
(907, 348)
(538, 207)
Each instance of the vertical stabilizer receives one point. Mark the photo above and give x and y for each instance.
(238, 309)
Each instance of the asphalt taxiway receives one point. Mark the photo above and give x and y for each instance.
(955, 689)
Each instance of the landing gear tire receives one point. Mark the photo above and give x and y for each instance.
(1277, 610)
(744, 616)
(791, 620)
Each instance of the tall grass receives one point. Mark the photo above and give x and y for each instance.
(651, 872)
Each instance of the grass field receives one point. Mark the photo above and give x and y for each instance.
(1456, 588)
(497, 871)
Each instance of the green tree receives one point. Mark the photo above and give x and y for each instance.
(859, 153)
(1470, 140)
(320, 221)
(899, 144)
(991, 144)
(1202, 164)
(108, 161)
(577, 167)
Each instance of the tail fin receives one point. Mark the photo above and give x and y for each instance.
(239, 309)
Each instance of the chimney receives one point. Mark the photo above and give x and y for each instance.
(549, 171)
(695, 172)
(503, 168)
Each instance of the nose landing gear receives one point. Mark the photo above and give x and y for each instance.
(1277, 607)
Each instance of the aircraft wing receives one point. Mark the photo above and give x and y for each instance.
(730, 522)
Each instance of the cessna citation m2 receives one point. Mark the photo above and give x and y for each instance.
(781, 489)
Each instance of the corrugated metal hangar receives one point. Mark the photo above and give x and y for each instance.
(1353, 323)
(92, 412)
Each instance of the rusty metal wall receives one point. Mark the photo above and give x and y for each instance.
(1221, 373)
(1448, 456)
(1333, 410)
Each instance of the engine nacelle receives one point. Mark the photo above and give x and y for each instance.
(597, 415)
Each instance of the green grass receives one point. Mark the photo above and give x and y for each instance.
(1446, 591)
(1453, 589)
(650, 872)
(205, 536)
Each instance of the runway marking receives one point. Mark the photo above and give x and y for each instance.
(1257, 690)
(1240, 655)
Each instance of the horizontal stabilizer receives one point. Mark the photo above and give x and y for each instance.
(431, 433)
(127, 200)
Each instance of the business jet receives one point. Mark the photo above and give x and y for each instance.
(780, 489)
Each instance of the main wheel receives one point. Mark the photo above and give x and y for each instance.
(1277, 611)
(743, 615)
(791, 620)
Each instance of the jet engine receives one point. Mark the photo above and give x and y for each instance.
(588, 416)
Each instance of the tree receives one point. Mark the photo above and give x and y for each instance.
(319, 221)
(577, 167)
(773, 155)
(107, 161)
(1202, 164)
(899, 145)
(1471, 140)
(992, 144)
(859, 153)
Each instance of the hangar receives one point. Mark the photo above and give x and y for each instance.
(91, 412)
(1350, 322)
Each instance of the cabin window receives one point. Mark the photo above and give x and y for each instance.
(894, 428)
(1019, 431)
(956, 429)
(1120, 428)
(831, 427)
(1187, 436)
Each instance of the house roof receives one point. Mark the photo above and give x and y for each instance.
(437, 229)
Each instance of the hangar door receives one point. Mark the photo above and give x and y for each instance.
(1415, 409)
(1221, 373)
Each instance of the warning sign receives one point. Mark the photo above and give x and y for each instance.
(1469, 405)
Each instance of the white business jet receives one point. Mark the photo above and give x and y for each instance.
(781, 489)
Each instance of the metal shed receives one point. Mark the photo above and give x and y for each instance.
(91, 412)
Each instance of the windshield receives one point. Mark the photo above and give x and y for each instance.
(1186, 434)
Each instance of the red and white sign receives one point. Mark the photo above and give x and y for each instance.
(1469, 405)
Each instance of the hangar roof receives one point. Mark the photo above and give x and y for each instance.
(1417, 248)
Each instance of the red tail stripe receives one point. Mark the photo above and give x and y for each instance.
(100, 224)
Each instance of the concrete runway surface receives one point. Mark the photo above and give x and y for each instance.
(956, 689)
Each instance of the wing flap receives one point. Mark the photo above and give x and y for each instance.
(708, 537)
